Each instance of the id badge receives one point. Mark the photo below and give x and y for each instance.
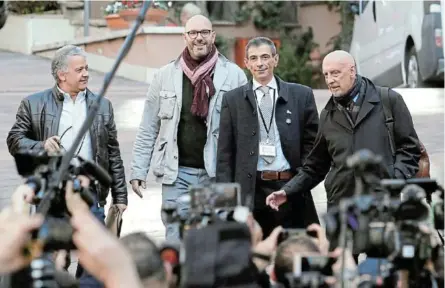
(267, 150)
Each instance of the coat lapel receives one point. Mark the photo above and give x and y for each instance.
(248, 93)
(220, 76)
(367, 106)
(339, 117)
(58, 100)
(281, 108)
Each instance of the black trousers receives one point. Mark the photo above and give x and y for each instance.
(290, 214)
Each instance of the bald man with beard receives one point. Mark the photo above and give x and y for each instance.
(179, 130)
(353, 119)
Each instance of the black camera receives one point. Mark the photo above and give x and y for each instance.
(386, 218)
(206, 204)
(311, 271)
(39, 169)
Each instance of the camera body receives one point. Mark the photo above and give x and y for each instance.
(311, 271)
(386, 219)
(207, 204)
(39, 169)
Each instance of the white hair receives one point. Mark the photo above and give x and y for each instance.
(60, 60)
(191, 9)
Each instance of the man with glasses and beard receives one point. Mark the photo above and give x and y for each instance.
(179, 130)
(51, 120)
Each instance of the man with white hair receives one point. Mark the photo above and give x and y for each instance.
(51, 119)
(354, 119)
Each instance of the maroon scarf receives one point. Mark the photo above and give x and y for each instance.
(199, 74)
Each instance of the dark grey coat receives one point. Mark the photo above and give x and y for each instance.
(337, 139)
(237, 156)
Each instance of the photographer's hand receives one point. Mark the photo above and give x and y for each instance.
(255, 230)
(74, 201)
(266, 247)
(22, 198)
(15, 232)
(98, 250)
(276, 199)
(321, 240)
(350, 267)
(136, 185)
(101, 254)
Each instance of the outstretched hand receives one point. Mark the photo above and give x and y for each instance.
(276, 199)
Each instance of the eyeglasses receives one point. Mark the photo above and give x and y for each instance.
(63, 149)
(204, 33)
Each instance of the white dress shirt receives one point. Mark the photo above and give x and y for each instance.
(279, 163)
(73, 115)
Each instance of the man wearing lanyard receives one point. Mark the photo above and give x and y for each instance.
(267, 129)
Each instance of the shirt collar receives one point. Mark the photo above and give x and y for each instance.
(66, 96)
(271, 84)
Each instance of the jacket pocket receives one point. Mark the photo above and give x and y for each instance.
(167, 103)
(159, 159)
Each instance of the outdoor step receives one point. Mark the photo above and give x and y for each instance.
(73, 4)
(93, 22)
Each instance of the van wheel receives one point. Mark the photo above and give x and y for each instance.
(413, 77)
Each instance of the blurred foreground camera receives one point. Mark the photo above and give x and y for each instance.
(387, 218)
(208, 204)
(311, 272)
(40, 171)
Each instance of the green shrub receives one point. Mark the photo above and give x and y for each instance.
(222, 44)
(295, 63)
(32, 7)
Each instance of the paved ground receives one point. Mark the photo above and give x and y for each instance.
(21, 75)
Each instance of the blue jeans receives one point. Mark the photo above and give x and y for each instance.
(170, 193)
(86, 279)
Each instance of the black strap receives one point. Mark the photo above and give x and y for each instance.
(389, 119)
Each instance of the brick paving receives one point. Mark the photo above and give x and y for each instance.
(21, 75)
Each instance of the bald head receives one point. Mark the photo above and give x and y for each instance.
(340, 56)
(339, 72)
(199, 36)
(198, 21)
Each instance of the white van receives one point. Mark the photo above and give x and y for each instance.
(398, 43)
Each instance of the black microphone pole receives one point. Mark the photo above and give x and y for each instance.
(57, 178)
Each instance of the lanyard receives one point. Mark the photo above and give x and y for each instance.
(261, 113)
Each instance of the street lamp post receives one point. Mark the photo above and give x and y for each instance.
(86, 18)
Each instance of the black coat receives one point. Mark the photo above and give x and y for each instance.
(38, 119)
(238, 144)
(337, 139)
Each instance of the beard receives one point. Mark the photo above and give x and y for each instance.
(201, 49)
